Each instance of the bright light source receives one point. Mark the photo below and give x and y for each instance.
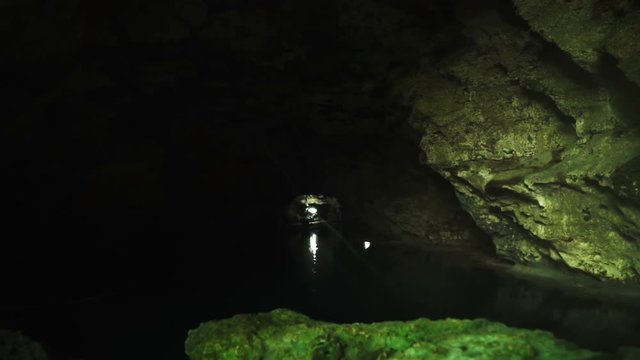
(367, 244)
(311, 210)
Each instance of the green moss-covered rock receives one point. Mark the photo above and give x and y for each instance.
(284, 334)
(15, 346)
(538, 153)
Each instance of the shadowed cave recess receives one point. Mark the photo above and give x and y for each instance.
(169, 164)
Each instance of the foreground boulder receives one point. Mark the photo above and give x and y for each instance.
(283, 334)
(15, 346)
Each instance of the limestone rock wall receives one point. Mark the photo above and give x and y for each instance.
(531, 111)
(587, 29)
(538, 133)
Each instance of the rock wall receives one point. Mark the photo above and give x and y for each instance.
(534, 123)
(142, 121)
(529, 110)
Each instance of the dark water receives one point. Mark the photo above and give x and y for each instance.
(324, 272)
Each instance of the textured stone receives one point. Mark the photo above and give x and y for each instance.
(15, 346)
(399, 199)
(625, 51)
(584, 29)
(534, 148)
(284, 334)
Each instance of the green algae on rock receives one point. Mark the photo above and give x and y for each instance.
(16, 346)
(284, 334)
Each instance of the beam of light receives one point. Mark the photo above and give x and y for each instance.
(367, 244)
(312, 210)
(313, 249)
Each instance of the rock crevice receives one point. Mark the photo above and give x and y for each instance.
(532, 143)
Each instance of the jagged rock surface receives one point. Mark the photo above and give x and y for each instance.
(284, 334)
(588, 29)
(542, 152)
(534, 120)
(15, 346)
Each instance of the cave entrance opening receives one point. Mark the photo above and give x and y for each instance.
(313, 209)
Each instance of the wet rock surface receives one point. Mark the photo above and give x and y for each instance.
(586, 30)
(16, 346)
(284, 334)
(136, 133)
(534, 145)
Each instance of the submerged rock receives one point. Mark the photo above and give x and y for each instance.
(283, 334)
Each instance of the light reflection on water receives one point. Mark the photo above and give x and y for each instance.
(351, 279)
(313, 249)
(318, 252)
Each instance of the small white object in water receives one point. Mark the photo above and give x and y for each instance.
(367, 244)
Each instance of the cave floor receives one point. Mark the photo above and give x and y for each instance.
(328, 277)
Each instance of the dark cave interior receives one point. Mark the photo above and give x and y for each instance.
(151, 149)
